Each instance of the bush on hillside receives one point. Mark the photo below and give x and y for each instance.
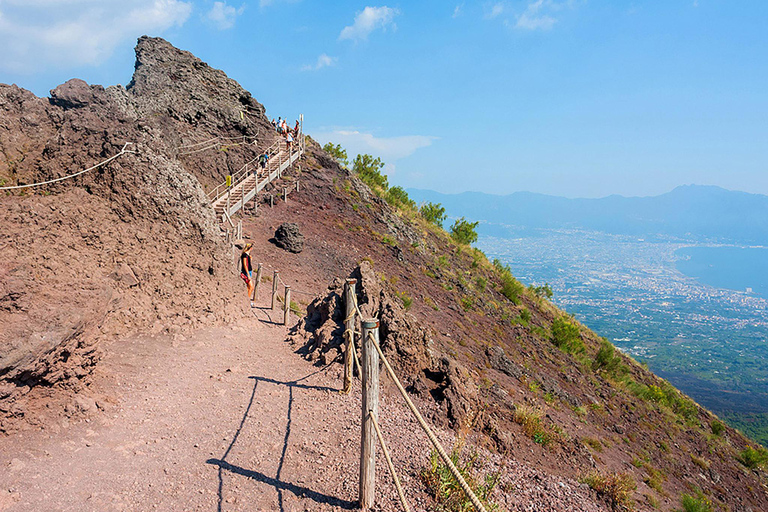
(337, 152)
(398, 197)
(433, 213)
(368, 169)
(511, 288)
(566, 335)
(754, 457)
(463, 231)
(606, 359)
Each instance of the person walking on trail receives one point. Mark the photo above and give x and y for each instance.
(263, 160)
(246, 271)
(288, 141)
(296, 129)
(279, 125)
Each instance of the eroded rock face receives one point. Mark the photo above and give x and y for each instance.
(288, 237)
(405, 342)
(132, 244)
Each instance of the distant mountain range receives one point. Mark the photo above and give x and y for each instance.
(704, 213)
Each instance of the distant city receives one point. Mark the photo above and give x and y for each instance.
(710, 342)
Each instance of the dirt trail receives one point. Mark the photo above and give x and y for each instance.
(227, 419)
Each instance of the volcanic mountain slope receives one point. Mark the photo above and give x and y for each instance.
(502, 364)
(132, 244)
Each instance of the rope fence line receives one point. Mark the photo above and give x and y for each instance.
(122, 152)
(391, 466)
(433, 439)
(370, 339)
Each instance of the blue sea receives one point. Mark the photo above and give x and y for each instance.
(733, 268)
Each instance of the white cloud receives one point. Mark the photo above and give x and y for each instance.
(457, 10)
(368, 20)
(35, 34)
(537, 15)
(496, 10)
(389, 149)
(323, 61)
(223, 16)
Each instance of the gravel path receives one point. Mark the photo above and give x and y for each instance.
(229, 419)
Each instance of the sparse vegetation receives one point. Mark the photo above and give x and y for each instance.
(448, 494)
(530, 419)
(566, 335)
(606, 359)
(616, 488)
(754, 457)
(698, 503)
(544, 291)
(433, 213)
(337, 152)
(398, 197)
(463, 232)
(718, 427)
(511, 288)
(368, 169)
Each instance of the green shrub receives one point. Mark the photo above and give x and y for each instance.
(616, 488)
(448, 494)
(463, 231)
(398, 197)
(467, 303)
(481, 283)
(433, 213)
(542, 291)
(718, 427)
(698, 503)
(337, 152)
(753, 457)
(605, 359)
(566, 336)
(368, 169)
(511, 288)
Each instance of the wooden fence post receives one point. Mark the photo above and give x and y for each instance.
(287, 305)
(285, 195)
(349, 326)
(297, 185)
(271, 200)
(256, 284)
(275, 276)
(370, 365)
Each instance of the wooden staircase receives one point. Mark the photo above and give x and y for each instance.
(251, 179)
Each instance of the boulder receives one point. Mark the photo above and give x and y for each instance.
(289, 237)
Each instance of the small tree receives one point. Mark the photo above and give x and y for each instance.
(337, 152)
(434, 213)
(369, 170)
(464, 232)
(398, 197)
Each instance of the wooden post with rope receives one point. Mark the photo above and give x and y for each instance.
(349, 333)
(370, 365)
(287, 305)
(275, 277)
(256, 284)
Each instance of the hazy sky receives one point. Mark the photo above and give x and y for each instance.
(576, 98)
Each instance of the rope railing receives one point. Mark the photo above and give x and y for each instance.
(122, 152)
(371, 339)
(431, 435)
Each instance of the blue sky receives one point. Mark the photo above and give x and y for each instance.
(580, 98)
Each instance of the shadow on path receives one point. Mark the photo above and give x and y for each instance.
(275, 482)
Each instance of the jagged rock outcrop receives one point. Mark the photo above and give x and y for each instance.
(132, 244)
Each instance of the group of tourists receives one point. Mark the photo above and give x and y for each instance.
(290, 134)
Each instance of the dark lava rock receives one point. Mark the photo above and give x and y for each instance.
(289, 237)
